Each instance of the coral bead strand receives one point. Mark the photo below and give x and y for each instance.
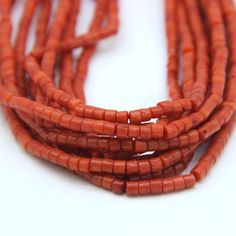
(138, 152)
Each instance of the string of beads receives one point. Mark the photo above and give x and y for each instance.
(138, 152)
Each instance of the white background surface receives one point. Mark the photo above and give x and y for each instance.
(128, 71)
